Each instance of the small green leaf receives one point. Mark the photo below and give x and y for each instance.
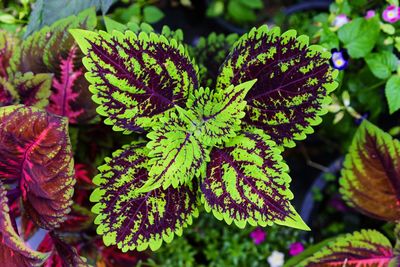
(152, 14)
(7, 18)
(112, 25)
(253, 4)
(382, 64)
(392, 92)
(359, 36)
(218, 113)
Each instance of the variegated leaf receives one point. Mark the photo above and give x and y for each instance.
(247, 182)
(367, 248)
(35, 151)
(135, 78)
(33, 89)
(293, 82)
(53, 50)
(13, 250)
(218, 113)
(370, 179)
(9, 45)
(8, 94)
(139, 220)
(177, 156)
(210, 52)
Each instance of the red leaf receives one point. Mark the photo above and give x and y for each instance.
(35, 150)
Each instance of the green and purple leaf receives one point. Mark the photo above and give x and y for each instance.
(14, 252)
(218, 113)
(134, 220)
(9, 45)
(53, 50)
(247, 182)
(367, 248)
(35, 152)
(33, 89)
(136, 78)
(370, 179)
(176, 155)
(293, 82)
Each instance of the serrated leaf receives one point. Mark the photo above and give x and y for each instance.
(13, 251)
(210, 53)
(53, 50)
(135, 220)
(9, 45)
(370, 179)
(364, 248)
(293, 82)
(64, 96)
(135, 78)
(177, 156)
(33, 89)
(36, 153)
(218, 113)
(247, 182)
(392, 93)
(359, 36)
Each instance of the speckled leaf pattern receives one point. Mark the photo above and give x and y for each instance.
(53, 50)
(218, 113)
(247, 182)
(177, 156)
(367, 248)
(370, 179)
(135, 78)
(33, 89)
(35, 151)
(293, 82)
(210, 52)
(13, 251)
(135, 220)
(9, 45)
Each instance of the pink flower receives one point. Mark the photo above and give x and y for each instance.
(258, 236)
(370, 14)
(340, 20)
(296, 248)
(391, 14)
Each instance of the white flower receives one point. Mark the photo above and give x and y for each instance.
(276, 259)
(340, 20)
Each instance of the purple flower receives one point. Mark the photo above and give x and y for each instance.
(370, 14)
(258, 236)
(391, 14)
(340, 20)
(296, 248)
(339, 59)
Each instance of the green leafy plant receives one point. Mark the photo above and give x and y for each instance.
(219, 146)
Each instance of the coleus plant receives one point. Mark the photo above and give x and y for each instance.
(45, 70)
(218, 146)
(370, 183)
(37, 173)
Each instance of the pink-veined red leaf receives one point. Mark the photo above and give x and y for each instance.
(35, 152)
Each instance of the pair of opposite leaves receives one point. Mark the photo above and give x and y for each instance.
(270, 91)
